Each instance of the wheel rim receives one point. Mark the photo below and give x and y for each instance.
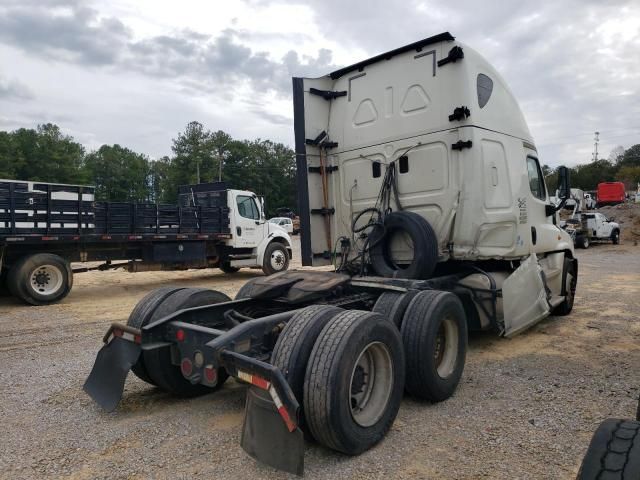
(371, 384)
(277, 260)
(446, 349)
(46, 279)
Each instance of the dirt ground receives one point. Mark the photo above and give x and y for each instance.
(525, 408)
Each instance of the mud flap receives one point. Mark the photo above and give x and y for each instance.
(524, 297)
(265, 436)
(105, 383)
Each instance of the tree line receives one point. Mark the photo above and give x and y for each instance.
(621, 166)
(200, 155)
(120, 174)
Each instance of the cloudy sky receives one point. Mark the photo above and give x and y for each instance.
(135, 72)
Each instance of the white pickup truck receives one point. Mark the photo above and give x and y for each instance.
(593, 227)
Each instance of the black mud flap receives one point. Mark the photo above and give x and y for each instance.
(105, 383)
(265, 436)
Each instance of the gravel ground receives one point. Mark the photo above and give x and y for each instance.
(526, 407)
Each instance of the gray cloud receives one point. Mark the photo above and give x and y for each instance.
(79, 35)
(76, 34)
(14, 90)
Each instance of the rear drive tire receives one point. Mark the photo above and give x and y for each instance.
(276, 259)
(434, 333)
(354, 381)
(423, 238)
(295, 343)
(140, 316)
(614, 451)
(227, 268)
(40, 279)
(392, 305)
(158, 362)
(570, 281)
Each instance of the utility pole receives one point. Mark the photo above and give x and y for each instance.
(219, 167)
(595, 146)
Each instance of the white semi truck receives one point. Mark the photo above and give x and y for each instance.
(419, 180)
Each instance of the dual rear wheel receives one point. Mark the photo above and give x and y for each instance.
(349, 368)
(156, 366)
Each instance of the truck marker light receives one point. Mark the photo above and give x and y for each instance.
(180, 335)
(281, 410)
(210, 374)
(186, 367)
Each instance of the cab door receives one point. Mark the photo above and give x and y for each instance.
(249, 223)
(603, 226)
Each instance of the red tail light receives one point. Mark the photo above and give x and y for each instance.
(180, 335)
(210, 374)
(186, 367)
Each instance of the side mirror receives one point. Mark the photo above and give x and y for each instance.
(563, 191)
(564, 187)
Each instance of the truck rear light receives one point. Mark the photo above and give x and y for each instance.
(210, 375)
(186, 367)
(180, 335)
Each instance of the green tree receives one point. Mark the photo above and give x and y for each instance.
(631, 157)
(588, 175)
(159, 179)
(119, 174)
(43, 154)
(630, 176)
(10, 163)
(193, 160)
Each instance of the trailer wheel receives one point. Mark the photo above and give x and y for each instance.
(354, 381)
(570, 279)
(40, 279)
(276, 258)
(392, 305)
(227, 268)
(293, 348)
(434, 332)
(614, 451)
(158, 362)
(140, 316)
(423, 242)
(615, 237)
